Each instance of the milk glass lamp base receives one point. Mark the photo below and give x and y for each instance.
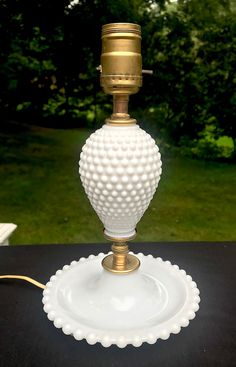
(93, 304)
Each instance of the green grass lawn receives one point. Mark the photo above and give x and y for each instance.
(41, 192)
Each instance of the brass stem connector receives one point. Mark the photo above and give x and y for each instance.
(120, 252)
(120, 114)
(120, 104)
(120, 261)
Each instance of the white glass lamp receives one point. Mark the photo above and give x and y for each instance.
(120, 298)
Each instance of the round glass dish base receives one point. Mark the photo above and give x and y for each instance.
(93, 304)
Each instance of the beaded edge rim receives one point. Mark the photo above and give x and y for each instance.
(180, 320)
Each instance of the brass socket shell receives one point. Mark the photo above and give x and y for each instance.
(121, 60)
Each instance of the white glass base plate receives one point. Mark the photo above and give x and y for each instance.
(93, 304)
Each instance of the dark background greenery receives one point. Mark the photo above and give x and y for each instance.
(51, 100)
(50, 50)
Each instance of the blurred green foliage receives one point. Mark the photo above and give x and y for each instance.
(49, 51)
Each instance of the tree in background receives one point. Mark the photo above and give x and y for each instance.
(50, 51)
(191, 48)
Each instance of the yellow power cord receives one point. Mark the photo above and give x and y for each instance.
(23, 277)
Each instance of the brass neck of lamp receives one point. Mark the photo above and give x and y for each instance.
(120, 261)
(120, 105)
(120, 252)
(120, 114)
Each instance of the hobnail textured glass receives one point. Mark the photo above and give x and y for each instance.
(146, 305)
(120, 167)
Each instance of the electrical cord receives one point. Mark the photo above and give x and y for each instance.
(23, 277)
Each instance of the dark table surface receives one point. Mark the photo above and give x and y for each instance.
(29, 339)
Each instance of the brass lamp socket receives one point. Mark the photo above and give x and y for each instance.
(121, 60)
